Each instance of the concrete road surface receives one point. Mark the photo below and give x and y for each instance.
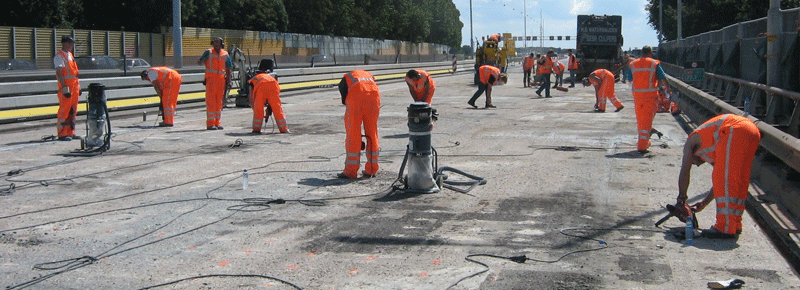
(565, 188)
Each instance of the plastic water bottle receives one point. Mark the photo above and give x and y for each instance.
(245, 177)
(689, 231)
(746, 106)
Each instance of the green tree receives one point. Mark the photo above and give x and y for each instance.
(255, 15)
(201, 13)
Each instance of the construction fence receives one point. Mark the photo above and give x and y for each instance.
(40, 45)
(740, 50)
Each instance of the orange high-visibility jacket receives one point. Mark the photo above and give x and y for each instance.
(419, 86)
(215, 63)
(528, 63)
(69, 72)
(573, 63)
(644, 77)
(487, 71)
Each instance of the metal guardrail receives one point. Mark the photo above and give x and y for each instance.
(34, 94)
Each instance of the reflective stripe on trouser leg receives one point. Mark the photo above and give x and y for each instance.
(257, 104)
(170, 99)
(67, 109)
(352, 123)
(371, 115)
(277, 111)
(215, 89)
(734, 152)
(645, 107)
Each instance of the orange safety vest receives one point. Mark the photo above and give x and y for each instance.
(423, 82)
(558, 67)
(487, 71)
(644, 76)
(69, 72)
(573, 63)
(215, 63)
(547, 67)
(603, 74)
(528, 63)
(361, 80)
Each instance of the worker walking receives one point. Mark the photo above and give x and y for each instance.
(420, 85)
(603, 82)
(362, 98)
(527, 67)
(545, 68)
(217, 80)
(572, 66)
(265, 90)
(69, 89)
(167, 83)
(728, 142)
(489, 76)
(647, 75)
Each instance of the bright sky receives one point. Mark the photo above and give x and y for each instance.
(560, 18)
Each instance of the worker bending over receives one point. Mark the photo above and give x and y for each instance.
(647, 75)
(420, 85)
(362, 99)
(603, 82)
(727, 142)
(489, 76)
(167, 83)
(265, 92)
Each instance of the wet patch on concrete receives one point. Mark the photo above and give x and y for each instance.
(761, 275)
(317, 128)
(514, 279)
(642, 269)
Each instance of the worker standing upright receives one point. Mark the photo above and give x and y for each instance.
(603, 82)
(420, 85)
(69, 89)
(167, 83)
(527, 67)
(545, 68)
(217, 80)
(362, 98)
(729, 143)
(647, 75)
(489, 76)
(572, 66)
(265, 90)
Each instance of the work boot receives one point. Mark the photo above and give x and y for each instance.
(538, 93)
(490, 106)
(218, 128)
(343, 176)
(713, 233)
(366, 175)
(286, 132)
(65, 138)
(473, 105)
(599, 111)
(257, 132)
(211, 128)
(162, 124)
(548, 96)
(620, 109)
(571, 86)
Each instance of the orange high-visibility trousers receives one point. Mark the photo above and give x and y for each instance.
(645, 106)
(734, 152)
(606, 91)
(215, 91)
(268, 94)
(67, 110)
(362, 108)
(169, 96)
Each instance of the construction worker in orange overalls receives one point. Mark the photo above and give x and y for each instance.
(729, 143)
(545, 68)
(647, 75)
(572, 66)
(420, 85)
(527, 67)
(264, 89)
(362, 98)
(489, 76)
(69, 89)
(167, 83)
(217, 80)
(603, 82)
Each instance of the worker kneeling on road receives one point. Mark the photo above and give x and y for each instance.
(603, 82)
(489, 76)
(729, 143)
(266, 90)
(167, 83)
(362, 98)
(420, 85)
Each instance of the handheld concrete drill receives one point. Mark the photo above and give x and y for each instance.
(681, 211)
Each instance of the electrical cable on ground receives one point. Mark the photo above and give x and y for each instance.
(224, 276)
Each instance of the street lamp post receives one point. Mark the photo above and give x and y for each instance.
(471, 38)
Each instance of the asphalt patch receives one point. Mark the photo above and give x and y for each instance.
(514, 279)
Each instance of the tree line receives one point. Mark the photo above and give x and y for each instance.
(432, 21)
(701, 16)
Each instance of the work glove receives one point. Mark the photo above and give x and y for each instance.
(67, 95)
(682, 211)
(65, 92)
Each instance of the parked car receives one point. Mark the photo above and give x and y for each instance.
(17, 64)
(134, 63)
(97, 62)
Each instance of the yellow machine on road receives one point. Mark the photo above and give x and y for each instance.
(490, 52)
